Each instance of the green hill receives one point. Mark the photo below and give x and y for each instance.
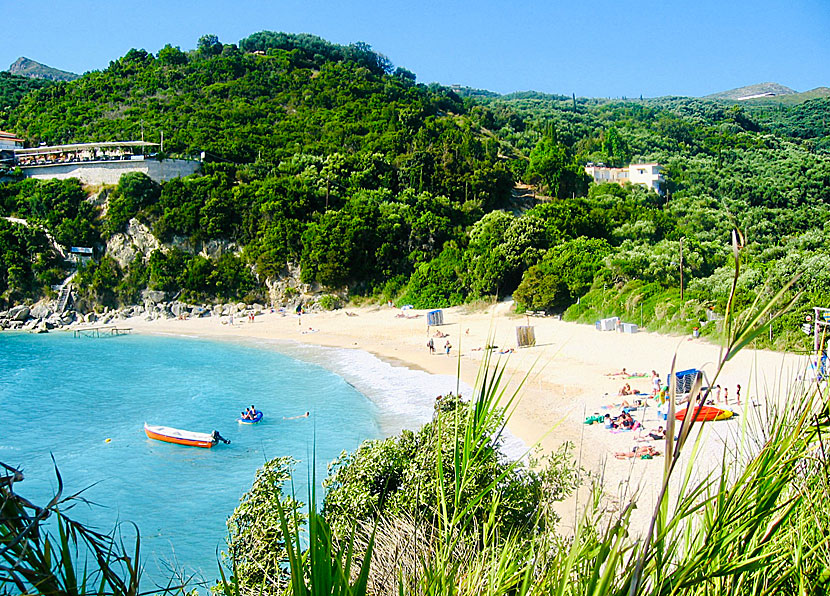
(26, 67)
(329, 158)
(269, 98)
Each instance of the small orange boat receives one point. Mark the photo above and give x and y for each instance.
(183, 437)
(705, 413)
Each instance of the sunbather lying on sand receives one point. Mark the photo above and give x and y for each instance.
(621, 373)
(628, 375)
(644, 451)
(624, 403)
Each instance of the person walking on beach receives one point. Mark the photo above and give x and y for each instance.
(431, 346)
(726, 396)
(738, 394)
(448, 347)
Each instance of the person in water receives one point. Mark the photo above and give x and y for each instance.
(306, 415)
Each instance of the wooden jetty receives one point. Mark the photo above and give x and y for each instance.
(101, 330)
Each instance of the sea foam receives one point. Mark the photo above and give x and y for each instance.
(405, 397)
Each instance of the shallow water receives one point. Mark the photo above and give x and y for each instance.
(63, 397)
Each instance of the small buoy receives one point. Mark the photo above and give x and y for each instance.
(107, 441)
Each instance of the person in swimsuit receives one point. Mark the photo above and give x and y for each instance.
(306, 415)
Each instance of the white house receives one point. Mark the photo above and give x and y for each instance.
(645, 174)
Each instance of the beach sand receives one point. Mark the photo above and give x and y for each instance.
(566, 375)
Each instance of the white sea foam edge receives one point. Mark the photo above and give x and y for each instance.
(404, 397)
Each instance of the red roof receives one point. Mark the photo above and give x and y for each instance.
(9, 135)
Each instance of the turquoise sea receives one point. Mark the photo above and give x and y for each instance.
(62, 397)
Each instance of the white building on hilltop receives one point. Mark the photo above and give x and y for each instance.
(644, 174)
(100, 163)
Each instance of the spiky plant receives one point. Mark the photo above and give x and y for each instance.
(75, 560)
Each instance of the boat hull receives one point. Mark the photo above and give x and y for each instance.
(707, 413)
(179, 437)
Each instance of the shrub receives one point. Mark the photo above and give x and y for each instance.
(256, 541)
(565, 273)
(398, 476)
(329, 302)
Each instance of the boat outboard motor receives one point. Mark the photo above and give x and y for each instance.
(217, 437)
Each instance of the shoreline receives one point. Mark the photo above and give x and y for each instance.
(566, 373)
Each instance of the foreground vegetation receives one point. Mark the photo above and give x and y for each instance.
(332, 160)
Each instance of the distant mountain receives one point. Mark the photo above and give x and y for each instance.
(767, 94)
(753, 92)
(35, 70)
(792, 99)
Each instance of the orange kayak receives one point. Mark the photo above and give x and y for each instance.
(180, 437)
(705, 413)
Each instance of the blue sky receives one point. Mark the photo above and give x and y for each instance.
(598, 49)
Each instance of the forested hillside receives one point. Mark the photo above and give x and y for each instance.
(330, 158)
(13, 88)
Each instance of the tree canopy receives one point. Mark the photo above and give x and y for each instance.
(331, 158)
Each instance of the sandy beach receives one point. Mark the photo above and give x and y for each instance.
(569, 373)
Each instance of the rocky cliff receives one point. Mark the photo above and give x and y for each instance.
(35, 70)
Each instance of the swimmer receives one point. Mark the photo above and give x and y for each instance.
(306, 415)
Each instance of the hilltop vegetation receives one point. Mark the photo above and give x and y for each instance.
(330, 158)
(13, 88)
